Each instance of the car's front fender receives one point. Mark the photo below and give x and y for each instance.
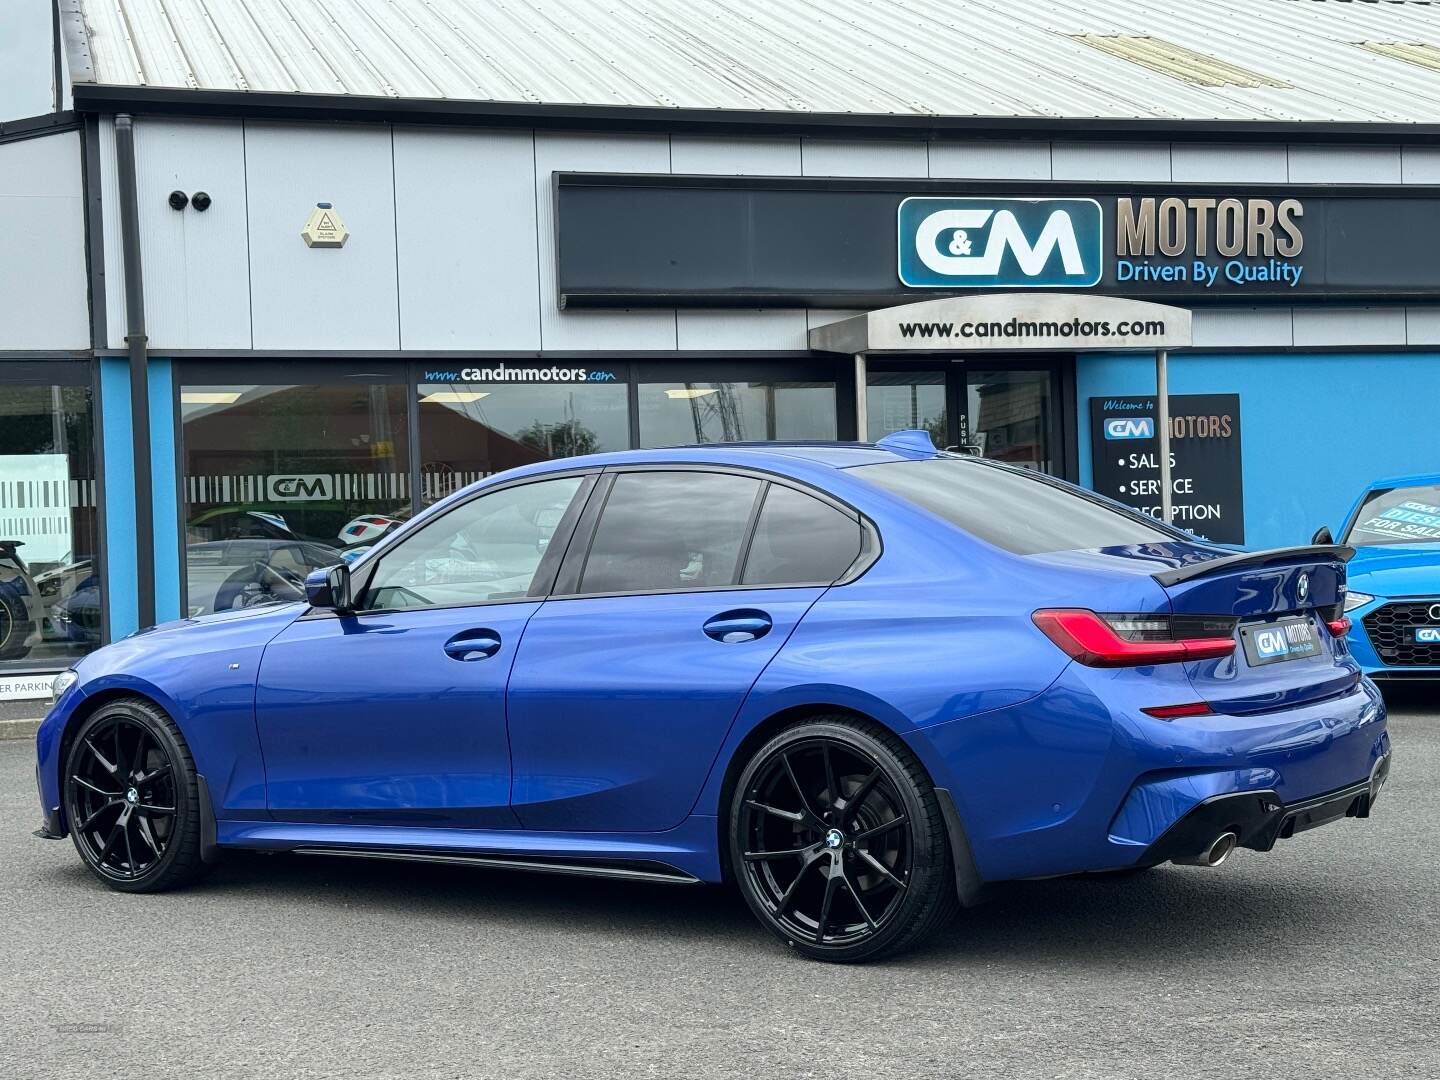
(202, 673)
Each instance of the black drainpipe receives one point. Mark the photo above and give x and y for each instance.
(136, 340)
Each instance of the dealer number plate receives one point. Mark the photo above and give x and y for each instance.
(1272, 643)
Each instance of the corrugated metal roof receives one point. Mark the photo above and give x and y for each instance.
(944, 58)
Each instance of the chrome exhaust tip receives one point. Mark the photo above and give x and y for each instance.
(1218, 851)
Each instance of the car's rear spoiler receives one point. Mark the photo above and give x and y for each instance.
(1256, 559)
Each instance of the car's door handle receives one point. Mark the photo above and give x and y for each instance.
(473, 645)
(733, 627)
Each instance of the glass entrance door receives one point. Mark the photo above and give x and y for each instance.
(1008, 412)
(905, 400)
(1009, 416)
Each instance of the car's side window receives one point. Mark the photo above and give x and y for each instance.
(665, 531)
(484, 550)
(799, 539)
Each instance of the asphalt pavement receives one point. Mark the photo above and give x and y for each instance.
(1320, 959)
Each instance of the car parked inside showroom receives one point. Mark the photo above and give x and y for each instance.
(862, 682)
(1393, 598)
(21, 610)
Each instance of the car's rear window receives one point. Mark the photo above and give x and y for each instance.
(1403, 515)
(1026, 513)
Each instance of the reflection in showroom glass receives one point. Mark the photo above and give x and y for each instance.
(50, 585)
(471, 430)
(678, 413)
(282, 479)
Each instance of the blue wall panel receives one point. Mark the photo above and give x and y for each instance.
(1315, 427)
(119, 495)
(165, 494)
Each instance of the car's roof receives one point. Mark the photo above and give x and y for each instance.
(781, 456)
(812, 462)
(1413, 480)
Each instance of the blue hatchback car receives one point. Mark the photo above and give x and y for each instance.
(860, 682)
(1394, 578)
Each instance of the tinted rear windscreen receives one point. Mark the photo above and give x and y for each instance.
(1011, 509)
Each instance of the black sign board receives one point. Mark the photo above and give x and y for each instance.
(1207, 492)
(635, 240)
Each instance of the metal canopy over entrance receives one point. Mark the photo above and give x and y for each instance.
(1019, 323)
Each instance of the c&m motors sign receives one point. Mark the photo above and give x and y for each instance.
(630, 240)
(1000, 243)
(1201, 242)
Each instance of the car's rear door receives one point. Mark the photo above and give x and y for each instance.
(679, 588)
(396, 714)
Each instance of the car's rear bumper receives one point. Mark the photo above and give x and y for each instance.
(1078, 779)
(1258, 819)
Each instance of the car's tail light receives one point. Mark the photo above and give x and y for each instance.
(1136, 640)
(1175, 712)
(1339, 627)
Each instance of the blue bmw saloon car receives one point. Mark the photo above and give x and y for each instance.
(1394, 579)
(860, 682)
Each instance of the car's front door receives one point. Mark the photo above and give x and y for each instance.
(396, 714)
(668, 608)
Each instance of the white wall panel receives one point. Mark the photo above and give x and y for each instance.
(114, 282)
(42, 166)
(1227, 327)
(1220, 163)
(775, 328)
(1319, 326)
(1137, 162)
(981, 159)
(465, 232)
(43, 285)
(1420, 165)
(591, 329)
(832, 157)
(1422, 326)
(195, 265)
(321, 298)
(734, 157)
(1344, 164)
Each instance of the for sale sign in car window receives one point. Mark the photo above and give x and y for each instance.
(1398, 515)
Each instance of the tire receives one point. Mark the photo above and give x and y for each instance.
(838, 843)
(132, 799)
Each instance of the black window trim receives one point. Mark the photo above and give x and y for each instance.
(571, 571)
(545, 572)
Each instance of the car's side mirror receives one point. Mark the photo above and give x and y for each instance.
(329, 587)
(1322, 536)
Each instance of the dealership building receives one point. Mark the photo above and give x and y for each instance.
(277, 276)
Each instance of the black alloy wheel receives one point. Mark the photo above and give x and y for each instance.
(838, 843)
(132, 799)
